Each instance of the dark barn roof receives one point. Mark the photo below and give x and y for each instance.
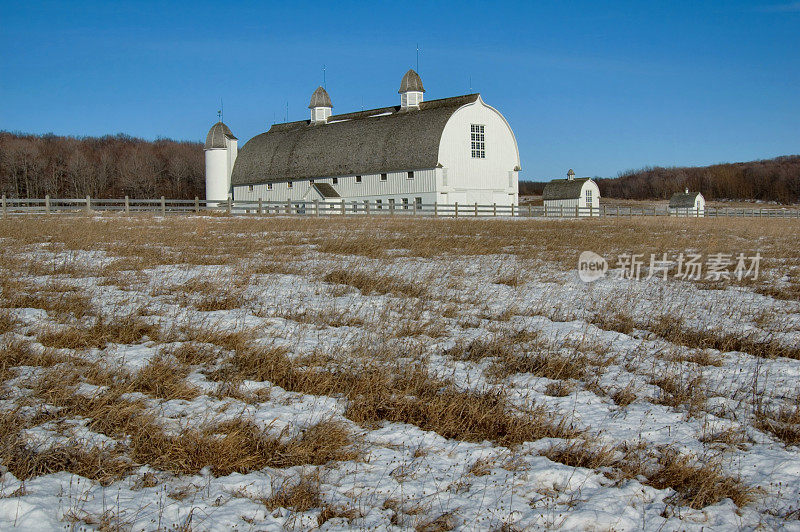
(683, 200)
(365, 142)
(558, 189)
(216, 136)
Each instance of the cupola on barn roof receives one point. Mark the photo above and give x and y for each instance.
(320, 98)
(411, 82)
(216, 136)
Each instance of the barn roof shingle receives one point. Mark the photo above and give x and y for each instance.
(365, 142)
(216, 136)
(411, 82)
(320, 98)
(683, 200)
(559, 189)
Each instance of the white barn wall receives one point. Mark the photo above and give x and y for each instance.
(568, 205)
(397, 186)
(470, 180)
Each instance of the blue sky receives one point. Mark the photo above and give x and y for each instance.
(598, 86)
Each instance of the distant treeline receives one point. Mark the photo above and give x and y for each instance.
(768, 180)
(32, 166)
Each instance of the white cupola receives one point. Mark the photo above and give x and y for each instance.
(570, 175)
(320, 106)
(411, 90)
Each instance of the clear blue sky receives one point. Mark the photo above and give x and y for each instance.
(598, 86)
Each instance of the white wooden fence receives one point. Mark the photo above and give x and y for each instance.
(163, 206)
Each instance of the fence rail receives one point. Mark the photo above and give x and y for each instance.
(164, 207)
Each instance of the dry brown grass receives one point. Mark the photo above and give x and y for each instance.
(673, 330)
(8, 322)
(697, 483)
(781, 422)
(128, 329)
(165, 378)
(681, 390)
(299, 496)
(370, 283)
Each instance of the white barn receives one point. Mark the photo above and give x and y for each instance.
(570, 195)
(456, 149)
(687, 204)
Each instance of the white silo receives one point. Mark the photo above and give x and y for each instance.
(221, 149)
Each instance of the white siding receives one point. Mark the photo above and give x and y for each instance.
(488, 180)
(397, 186)
(554, 207)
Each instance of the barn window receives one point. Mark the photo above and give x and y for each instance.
(335, 180)
(384, 177)
(418, 202)
(358, 179)
(310, 181)
(289, 184)
(250, 188)
(378, 204)
(478, 140)
(269, 186)
(411, 175)
(589, 198)
(405, 203)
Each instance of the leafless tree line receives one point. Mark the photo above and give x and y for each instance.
(767, 180)
(32, 166)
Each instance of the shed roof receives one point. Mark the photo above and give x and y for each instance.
(683, 200)
(365, 142)
(558, 189)
(216, 136)
(326, 190)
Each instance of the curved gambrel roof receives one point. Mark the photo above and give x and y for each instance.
(216, 136)
(365, 142)
(559, 189)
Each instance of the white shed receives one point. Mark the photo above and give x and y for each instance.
(687, 204)
(570, 196)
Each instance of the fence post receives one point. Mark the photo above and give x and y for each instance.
(316, 207)
(228, 205)
(260, 206)
(163, 207)
(494, 209)
(512, 209)
(196, 204)
(561, 210)
(127, 205)
(391, 208)
(544, 210)
(476, 208)
(529, 210)
(47, 204)
(435, 207)
(415, 207)
(577, 211)
(88, 204)
(5, 207)
(366, 207)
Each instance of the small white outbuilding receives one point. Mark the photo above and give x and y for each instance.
(571, 196)
(687, 204)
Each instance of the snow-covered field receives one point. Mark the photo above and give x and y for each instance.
(218, 373)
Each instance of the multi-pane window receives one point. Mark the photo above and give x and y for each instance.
(405, 203)
(335, 180)
(478, 141)
(269, 186)
(418, 202)
(588, 198)
(358, 179)
(289, 184)
(250, 188)
(378, 204)
(411, 175)
(384, 177)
